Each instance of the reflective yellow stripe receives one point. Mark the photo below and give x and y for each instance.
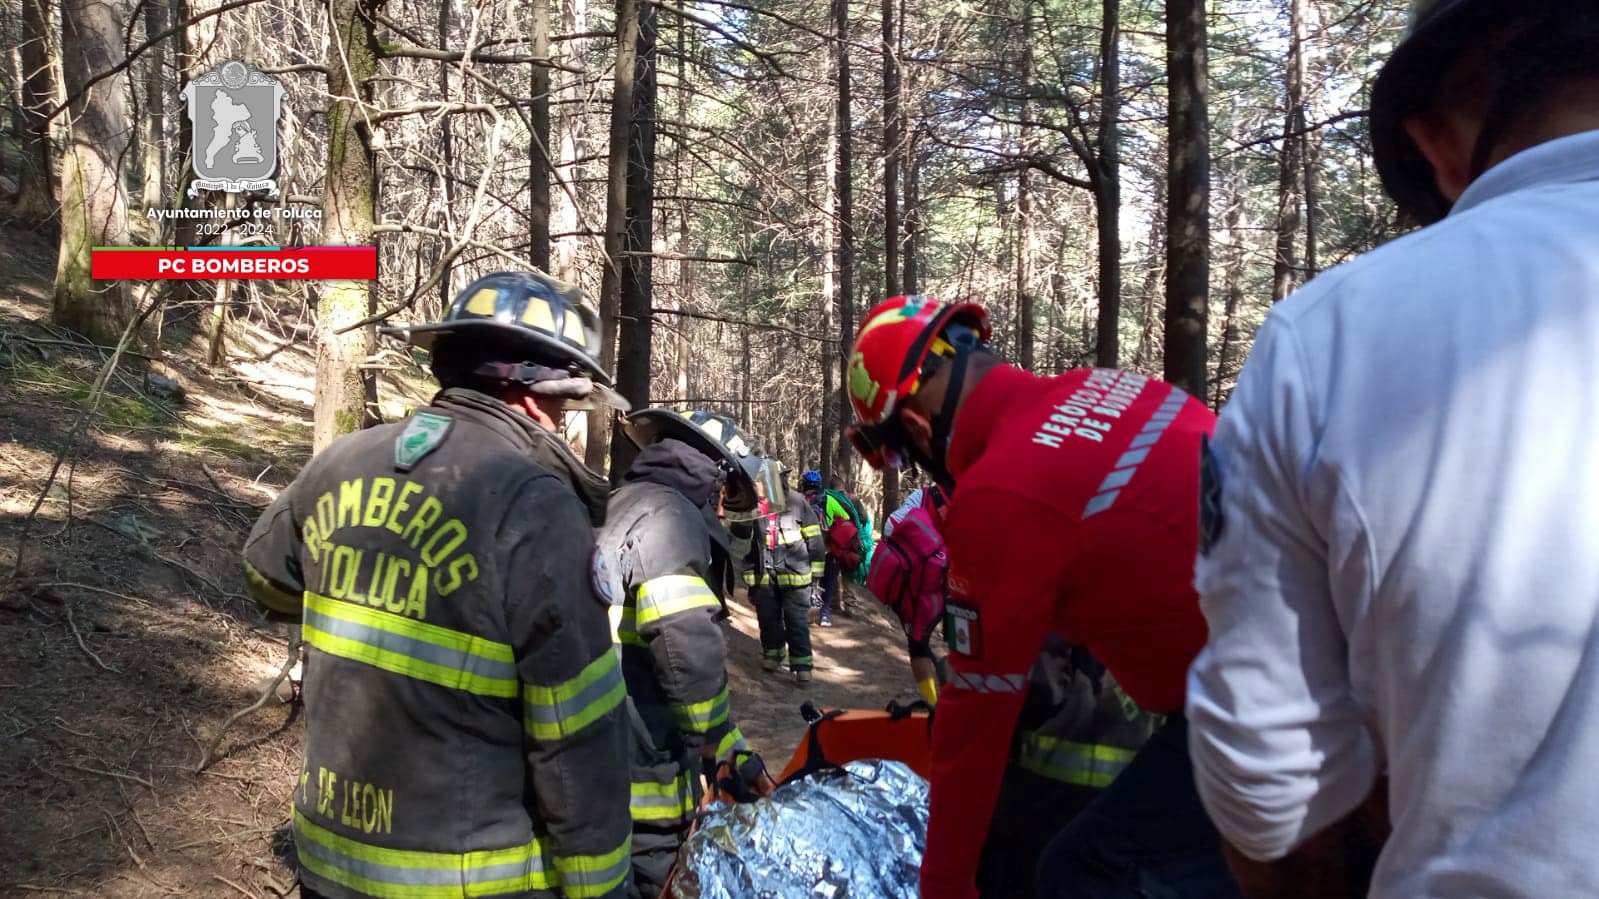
(550, 713)
(583, 876)
(733, 740)
(267, 594)
(782, 579)
(663, 802)
(818, 568)
(666, 596)
(624, 625)
(700, 717)
(811, 530)
(412, 648)
(409, 874)
(1067, 761)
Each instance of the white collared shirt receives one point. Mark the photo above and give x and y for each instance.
(1407, 573)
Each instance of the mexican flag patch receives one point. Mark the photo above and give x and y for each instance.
(963, 631)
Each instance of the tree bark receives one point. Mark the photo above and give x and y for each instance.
(913, 212)
(891, 151)
(538, 178)
(1024, 200)
(569, 124)
(36, 188)
(844, 255)
(349, 209)
(155, 107)
(830, 350)
(447, 157)
(1188, 200)
(637, 288)
(1284, 264)
(1154, 280)
(94, 205)
(627, 32)
(1233, 285)
(1108, 189)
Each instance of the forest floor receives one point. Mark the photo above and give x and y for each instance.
(129, 640)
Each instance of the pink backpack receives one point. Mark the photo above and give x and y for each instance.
(908, 572)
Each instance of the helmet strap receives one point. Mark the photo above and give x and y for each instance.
(965, 341)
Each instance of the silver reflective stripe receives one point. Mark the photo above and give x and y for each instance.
(410, 647)
(578, 880)
(562, 709)
(993, 683)
(447, 869)
(1127, 466)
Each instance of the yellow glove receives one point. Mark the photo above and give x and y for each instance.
(929, 688)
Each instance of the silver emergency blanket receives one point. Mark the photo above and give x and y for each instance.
(858, 835)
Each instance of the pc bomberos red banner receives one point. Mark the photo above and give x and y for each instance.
(193, 263)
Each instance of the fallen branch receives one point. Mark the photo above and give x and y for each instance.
(133, 777)
(224, 838)
(260, 703)
(235, 886)
(84, 646)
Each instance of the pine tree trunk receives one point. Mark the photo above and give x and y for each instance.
(1024, 200)
(637, 288)
(1188, 201)
(538, 185)
(913, 212)
(829, 352)
(627, 33)
(1233, 281)
(844, 256)
(349, 209)
(155, 107)
(891, 151)
(1154, 281)
(36, 188)
(94, 205)
(568, 124)
(1284, 264)
(1108, 189)
(447, 157)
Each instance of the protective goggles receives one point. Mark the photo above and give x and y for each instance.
(881, 445)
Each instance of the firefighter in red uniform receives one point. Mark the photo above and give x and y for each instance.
(1074, 515)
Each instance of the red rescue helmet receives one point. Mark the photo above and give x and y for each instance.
(888, 362)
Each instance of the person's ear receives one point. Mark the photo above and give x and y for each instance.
(917, 426)
(1447, 142)
(546, 411)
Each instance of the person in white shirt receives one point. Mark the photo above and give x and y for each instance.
(1400, 541)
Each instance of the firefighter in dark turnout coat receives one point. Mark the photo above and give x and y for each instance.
(781, 551)
(660, 537)
(464, 723)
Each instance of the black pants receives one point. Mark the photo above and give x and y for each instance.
(1030, 811)
(1144, 837)
(784, 616)
(654, 854)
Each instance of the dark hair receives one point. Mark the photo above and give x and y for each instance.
(1514, 76)
(455, 359)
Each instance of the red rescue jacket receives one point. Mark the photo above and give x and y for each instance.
(1076, 512)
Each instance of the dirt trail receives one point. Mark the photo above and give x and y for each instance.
(860, 664)
(128, 638)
